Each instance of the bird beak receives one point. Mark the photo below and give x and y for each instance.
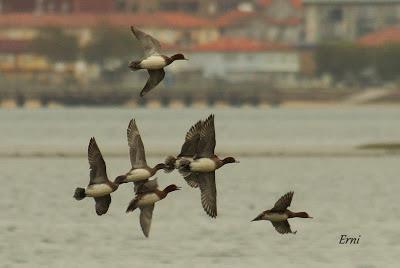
(237, 161)
(178, 188)
(186, 59)
(257, 218)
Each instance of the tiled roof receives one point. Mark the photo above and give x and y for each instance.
(167, 19)
(13, 46)
(232, 16)
(236, 44)
(380, 37)
(295, 3)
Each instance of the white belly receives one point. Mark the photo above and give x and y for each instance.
(138, 175)
(276, 217)
(148, 199)
(98, 190)
(153, 62)
(202, 165)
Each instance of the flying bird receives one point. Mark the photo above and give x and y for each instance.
(99, 186)
(146, 196)
(202, 169)
(140, 171)
(153, 61)
(279, 214)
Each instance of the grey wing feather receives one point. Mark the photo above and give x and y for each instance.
(98, 172)
(146, 214)
(207, 141)
(283, 203)
(156, 76)
(146, 186)
(208, 191)
(192, 180)
(192, 138)
(282, 227)
(150, 45)
(136, 148)
(102, 204)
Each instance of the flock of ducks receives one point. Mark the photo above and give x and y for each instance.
(196, 162)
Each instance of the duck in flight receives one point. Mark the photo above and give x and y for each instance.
(99, 186)
(146, 196)
(201, 171)
(279, 214)
(140, 171)
(153, 62)
(188, 151)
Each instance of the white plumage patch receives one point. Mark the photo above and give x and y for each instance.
(153, 62)
(98, 190)
(203, 165)
(148, 199)
(138, 175)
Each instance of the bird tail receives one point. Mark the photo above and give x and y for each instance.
(79, 193)
(170, 163)
(134, 65)
(132, 206)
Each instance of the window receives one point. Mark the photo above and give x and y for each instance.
(336, 14)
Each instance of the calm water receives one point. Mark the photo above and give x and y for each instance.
(42, 226)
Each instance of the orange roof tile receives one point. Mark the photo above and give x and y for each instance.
(235, 44)
(232, 16)
(295, 3)
(387, 35)
(166, 19)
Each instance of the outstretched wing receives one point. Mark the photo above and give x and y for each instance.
(136, 147)
(98, 172)
(192, 138)
(283, 203)
(146, 214)
(150, 45)
(145, 186)
(283, 227)
(191, 179)
(102, 204)
(156, 76)
(208, 191)
(207, 142)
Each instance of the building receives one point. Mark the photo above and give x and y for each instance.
(326, 20)
(242, 59)
(56, 6)
(387, 35)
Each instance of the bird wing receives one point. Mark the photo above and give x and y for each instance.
(283, 203)
(192, 138)
(207, 142)
(282, 227)
(146, 186)
(150, 45)
(98, 172)
(156, 76)
(102, 204)
(208, 191)
(192, 179)
(136, 147)
(146, 214)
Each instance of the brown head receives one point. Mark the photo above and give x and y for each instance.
(178, 57)
(228, 160)
(300, 215)
(171, 188)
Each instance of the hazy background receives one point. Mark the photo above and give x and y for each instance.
(305, 95)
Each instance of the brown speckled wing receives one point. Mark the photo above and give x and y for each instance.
(146, 214)
(207, 141)
(150, 45)
(98, 172)
(283, 203)
(282, 227)
(192, 138)
(208, 191)
(102, 204)
(191, 179)
(137, 154)
(146, 186)
(156, 76)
